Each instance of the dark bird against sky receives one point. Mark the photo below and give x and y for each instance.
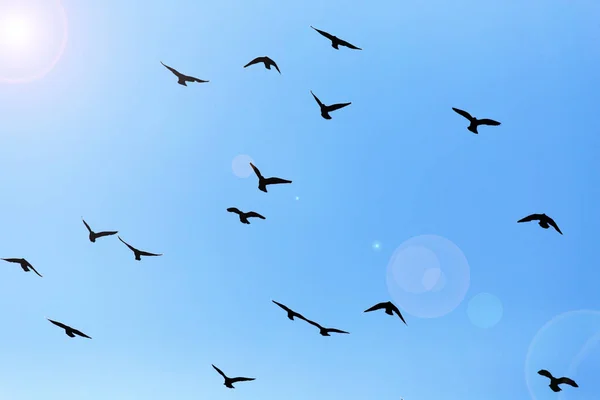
(183, 78)
(245, 215)
(389, 307)
(263, 182)
(71, 332)
(290, 313)
(266, 61)
(554, 382)
(336, 41)
(544, 221)
(474, 122)
(95, 235)
(23, 263)
(324, 331)
(230, 381)
(325, 110)
(138, 253)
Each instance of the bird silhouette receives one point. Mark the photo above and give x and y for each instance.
(325, 110)
(336, 41)
(183, 78)
(389, 307)
(290, 313)
(263, 182)
(230, 381)
(265, 60)
(95, 235)
(544, 221)
(245, 215)
(138, 253)
(554, 382)
(71, 332)
(324, 331)
(474, 122)
(23, 263)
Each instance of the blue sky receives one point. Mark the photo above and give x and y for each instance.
(108, 135)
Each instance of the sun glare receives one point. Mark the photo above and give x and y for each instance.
(17, 31)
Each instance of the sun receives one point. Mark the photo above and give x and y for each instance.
(17, 32)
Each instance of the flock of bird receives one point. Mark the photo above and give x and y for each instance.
(544, 221)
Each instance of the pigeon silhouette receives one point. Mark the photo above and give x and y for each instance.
(265, 60)
(554, 382)
(71, 332)
(324, 331)
(138, 253)
(95, 235)
(230, 381)
(325, 110)
(263, 182)
(23, 263)
(290, 313)
(474, 122)
(389, 307)
(183, 78)
(544, 221)
(245, 215)
(336, 41)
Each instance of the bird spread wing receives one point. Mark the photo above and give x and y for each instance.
(256, 171)
(234, 210)
(252, 214)
(34, 270)
(75, 331)
(349, 45)
(128, 245)
(327, 35)
(106, 233)
(334, 107)
(274, 181)
(532, 217)
(317, 99)
(395, 310)
(60, 324)
(487, 121)
(13, 260)
(378, 306)
(145, 253)
(336, 330)
(273, 63)
(255, 61)
(463, 113)
(173, 70)
(219, 371)
(545, 373)
(553, 224)
(312, 323)
(567, 381)
(87, 226)
(241, 379)
(282, 306)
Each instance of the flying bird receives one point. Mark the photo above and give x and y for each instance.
(336, 41)
(245, 215)
(324, 331)
(95, 235)
(389, 307)
(138, 253)
(230, 381)
(23, 263)
(290, 313)
(183, 78)
(544, 221)
(265, 60)
(263, 182)
(554, 382)
(71, 332)
(474, 122)
(325, 110)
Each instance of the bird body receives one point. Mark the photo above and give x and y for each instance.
(95, 235)
(543, 220)
(266, 61)
(230, 381)
(325, 109)
(336, 41)
(263, 182)
(138, 253)
(290, 313)
(182, 79)
(245, 215)
(389, 308)
(554, 382)
(325, 331)
(25, 265)
(70, 332)
(474, 122)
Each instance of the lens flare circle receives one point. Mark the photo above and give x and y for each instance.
(485, 310)
(241, 166)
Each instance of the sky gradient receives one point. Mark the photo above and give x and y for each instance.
(108, 135)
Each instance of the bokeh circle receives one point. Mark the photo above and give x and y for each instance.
(241, 166)
(49, 36)
(567, 345)
(485, 310)
(428, 276)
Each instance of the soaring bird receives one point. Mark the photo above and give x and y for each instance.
(474, 122)
(230, 381)
(183, 78)
(324, 331)
(245, 215)
(389, 307)
(95, 235)
(336, 41)
(263, 182)
(290, 313)
(265, 60)
(544, 221)
(138, 253)
(554, 382)
(71, 332)
(23, 263)
(325, 110)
